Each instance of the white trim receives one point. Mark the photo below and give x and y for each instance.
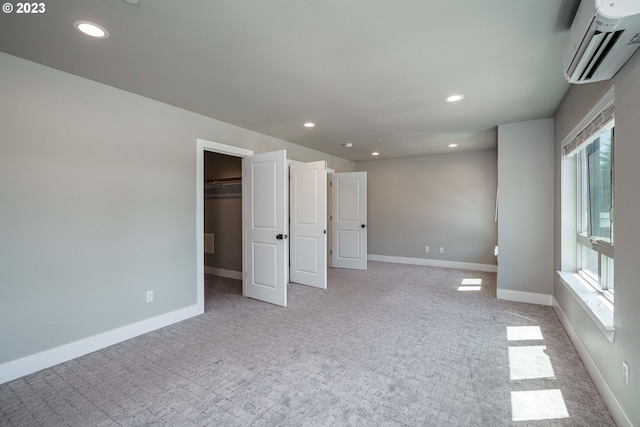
(568, 216)
(33, 363)
(608, 396)
(231, 274)
(203, 145)
(223, 148)
(435, 263)
(528, 297)
(591, 301)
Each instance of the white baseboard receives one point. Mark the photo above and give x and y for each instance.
(617, 411)
(434, 263)
(528, 297)
(231, 274)
(29, 364)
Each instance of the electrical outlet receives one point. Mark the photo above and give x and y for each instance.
(426, 248)
(441, 250)
(625, 372)
(149, 296)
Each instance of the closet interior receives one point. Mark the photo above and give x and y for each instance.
(223, 220)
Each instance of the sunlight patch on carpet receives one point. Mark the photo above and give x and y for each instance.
(538, 405)
(523, 333)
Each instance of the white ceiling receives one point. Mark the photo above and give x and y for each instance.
(362, 70)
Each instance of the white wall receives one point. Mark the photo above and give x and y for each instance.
(97, 190)
(525, 211)
(442, 200)
(603, 357)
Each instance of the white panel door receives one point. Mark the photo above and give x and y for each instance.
(349, 220)
(266, 216)
(308, 213)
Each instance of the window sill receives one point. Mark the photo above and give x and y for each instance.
(595, 305)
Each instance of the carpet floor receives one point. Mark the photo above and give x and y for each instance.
(396, 345)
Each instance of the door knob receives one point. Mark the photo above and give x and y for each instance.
(363, 226)
(281, 236)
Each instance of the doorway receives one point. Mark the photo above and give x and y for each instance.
(223, 222)
(205, 147)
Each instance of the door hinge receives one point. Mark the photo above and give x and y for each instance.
(331, 252)
(330, 217)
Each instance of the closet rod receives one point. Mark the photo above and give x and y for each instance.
(224, 181)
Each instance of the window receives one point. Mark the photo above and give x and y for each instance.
(594, 191)
(587, 227)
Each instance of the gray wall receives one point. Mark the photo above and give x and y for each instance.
(525, 209)
(439, 200)
(223, 212)
(97, 190)
(609, 356)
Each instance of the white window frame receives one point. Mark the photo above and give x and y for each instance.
(603, 247)
(593, 300)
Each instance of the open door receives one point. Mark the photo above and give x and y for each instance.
(266, 240)
(308, 211)
(349, 220)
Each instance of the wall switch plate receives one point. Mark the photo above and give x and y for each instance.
(625, 372)
(441, 250)
(426, 248)
(149, 296)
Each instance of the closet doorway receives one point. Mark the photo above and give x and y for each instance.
(265, 222)
(220, 257)
(265, 246)
(223, 221)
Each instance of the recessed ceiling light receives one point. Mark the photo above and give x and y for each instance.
(309, 125)
(452, 145)
(375, 153)
(91, 29)
(454, 98)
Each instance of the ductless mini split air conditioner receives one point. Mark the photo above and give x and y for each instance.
(603, 36)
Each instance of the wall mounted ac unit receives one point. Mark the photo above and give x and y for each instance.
(603, 36)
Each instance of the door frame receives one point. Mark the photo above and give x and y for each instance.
(329, 229)
(203, 145)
